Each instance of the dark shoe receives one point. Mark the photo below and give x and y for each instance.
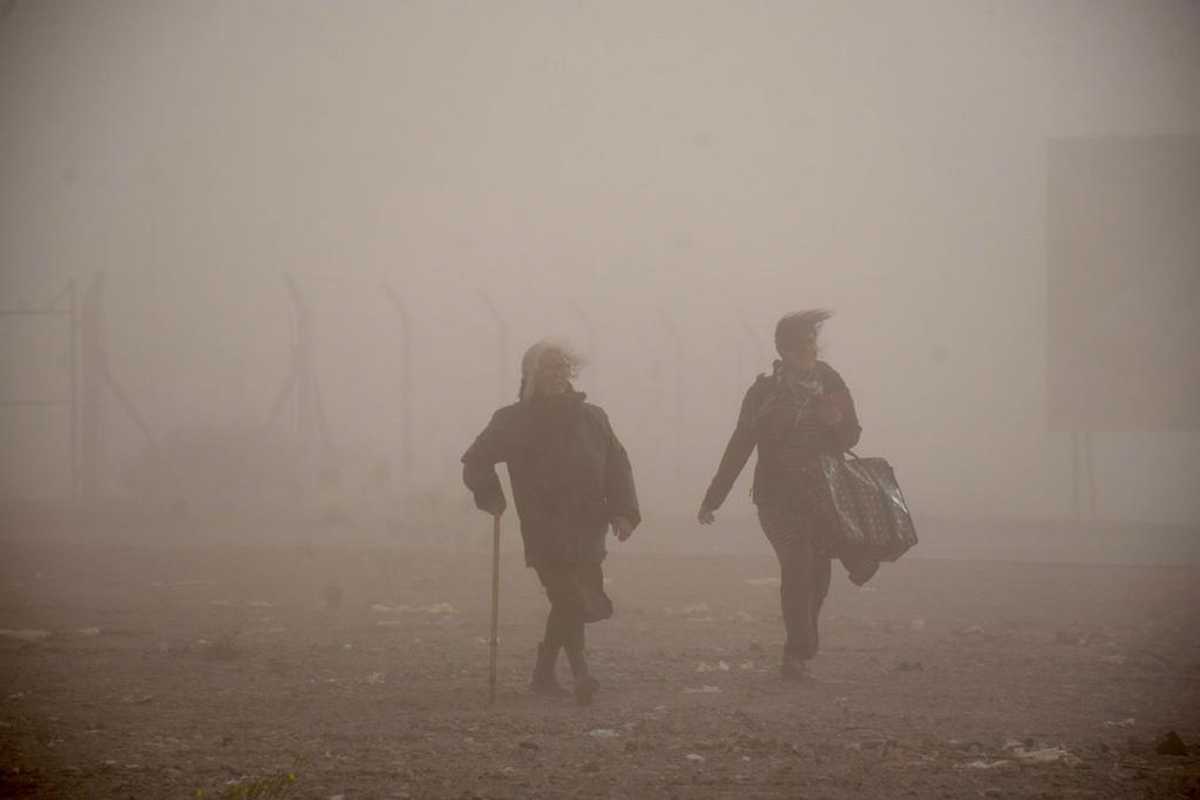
(585, 684)
(585, 689)
(545, 681)
(795, 670)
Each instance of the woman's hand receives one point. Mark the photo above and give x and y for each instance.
(622, 528)
(705, 515)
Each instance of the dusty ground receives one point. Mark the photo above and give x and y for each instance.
(222, 669)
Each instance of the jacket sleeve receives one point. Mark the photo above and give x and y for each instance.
(479, 467)
(845, 434)
(737, 453)
(619, 488)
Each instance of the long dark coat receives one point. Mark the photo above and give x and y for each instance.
(763, 415)
(570, 476)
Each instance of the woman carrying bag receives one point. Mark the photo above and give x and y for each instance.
(800, 412)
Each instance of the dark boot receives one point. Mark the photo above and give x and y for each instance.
(795, 669)
(585, 684)
(814, 632)
(545, 681)
(820, 590)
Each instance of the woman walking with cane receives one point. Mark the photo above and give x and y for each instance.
(801, 410)
(571, 481)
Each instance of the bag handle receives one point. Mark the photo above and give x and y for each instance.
(899, 491)
(878, 488)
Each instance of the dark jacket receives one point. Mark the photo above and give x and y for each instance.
(570, 476)
(759, 423)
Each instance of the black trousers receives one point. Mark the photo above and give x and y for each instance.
(804, 576)
(576, 595)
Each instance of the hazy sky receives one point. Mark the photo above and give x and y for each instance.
(683, 172)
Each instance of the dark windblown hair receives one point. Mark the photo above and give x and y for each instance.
(799, 325)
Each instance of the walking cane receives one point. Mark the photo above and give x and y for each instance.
(494, 643)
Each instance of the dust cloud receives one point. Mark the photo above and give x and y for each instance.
(657, 184)
(267, 268)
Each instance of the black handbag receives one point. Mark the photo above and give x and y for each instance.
(865, 511)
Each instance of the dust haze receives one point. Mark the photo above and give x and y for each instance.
(320, 236)
(656, 184)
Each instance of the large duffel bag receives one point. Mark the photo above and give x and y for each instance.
(866, 514)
